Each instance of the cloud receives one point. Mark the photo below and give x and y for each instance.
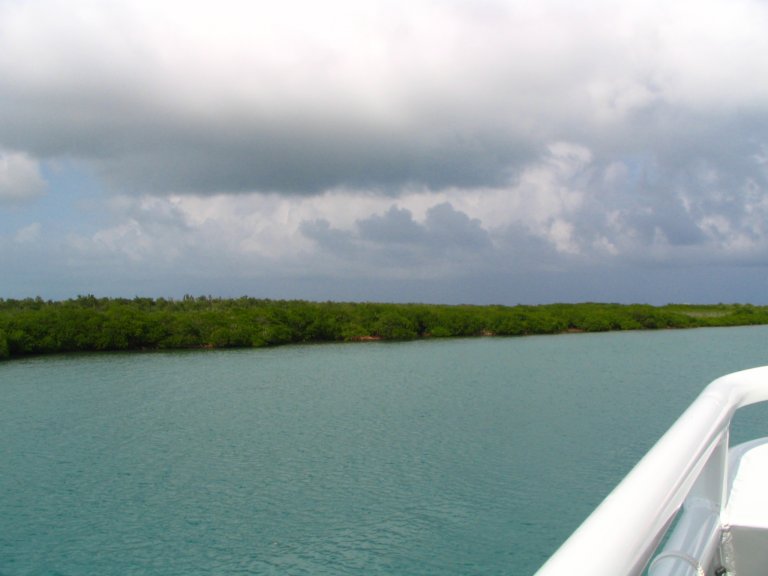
(297, 97)
(20, 177)
(395, 226)
(289, 144)
(424, 247)
(565, 209)
(451, 229)
(28, 234)
(393, 243)
(333, 241)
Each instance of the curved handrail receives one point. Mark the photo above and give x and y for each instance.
(620, 536)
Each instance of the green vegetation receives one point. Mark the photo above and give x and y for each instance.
(87, 323)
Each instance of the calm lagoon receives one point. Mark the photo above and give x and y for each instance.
(448, 457)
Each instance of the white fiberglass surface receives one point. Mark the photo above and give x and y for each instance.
(748, 502)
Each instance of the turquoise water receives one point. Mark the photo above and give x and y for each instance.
(437, 457)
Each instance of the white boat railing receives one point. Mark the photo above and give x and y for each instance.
(689, 461)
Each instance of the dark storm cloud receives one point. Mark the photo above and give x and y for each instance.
(307, 163)
(174, 98)
(444, 228)
(395, 226)
(338, 242)
(395, 239)
(138, 148)
(156, 102)
(449, 228)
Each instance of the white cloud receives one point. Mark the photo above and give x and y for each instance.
(128, 239)
(20, 177)
(715, 44)
(28, 234)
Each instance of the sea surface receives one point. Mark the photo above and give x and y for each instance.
(445, 457)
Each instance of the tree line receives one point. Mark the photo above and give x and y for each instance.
(35, 326)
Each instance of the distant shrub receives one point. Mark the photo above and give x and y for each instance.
(4, 351)
(87, 323)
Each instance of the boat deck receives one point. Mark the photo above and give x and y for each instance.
(744, 547)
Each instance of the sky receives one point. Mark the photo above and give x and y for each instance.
(452, 151)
